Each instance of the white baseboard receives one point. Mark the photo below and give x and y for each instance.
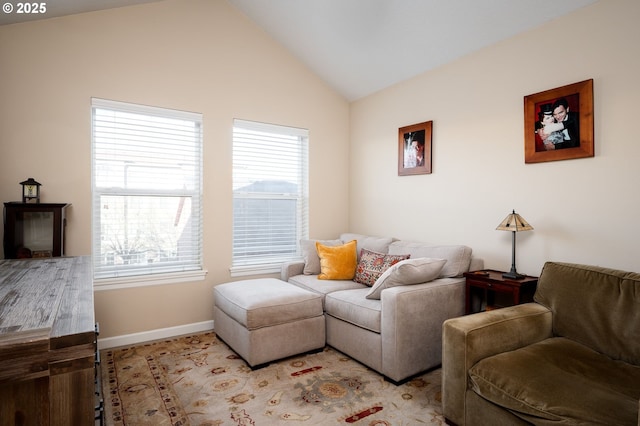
(161, 333)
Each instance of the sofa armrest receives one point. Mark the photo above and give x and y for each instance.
(411, 324)
(469, 339)
(476, 264)
(291, 269)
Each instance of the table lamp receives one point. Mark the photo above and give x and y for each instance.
(514, 223)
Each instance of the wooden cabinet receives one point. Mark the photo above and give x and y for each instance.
(488, 289)
(47, 342)
(34, 230)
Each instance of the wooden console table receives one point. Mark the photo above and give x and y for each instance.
(47, 342)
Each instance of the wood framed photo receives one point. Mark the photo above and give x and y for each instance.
(414, 149)
(558, 123)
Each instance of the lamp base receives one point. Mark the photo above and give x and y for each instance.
(513, 275)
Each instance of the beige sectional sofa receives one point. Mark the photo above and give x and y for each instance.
(399, 333)
(572, 357)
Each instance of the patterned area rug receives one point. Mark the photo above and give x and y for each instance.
(197, 380)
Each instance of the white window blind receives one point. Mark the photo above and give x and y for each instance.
(270, 195)
(146, 177)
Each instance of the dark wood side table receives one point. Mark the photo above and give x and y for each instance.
(488, 289)
(34, 229)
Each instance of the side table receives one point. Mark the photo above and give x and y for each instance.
(488, 289)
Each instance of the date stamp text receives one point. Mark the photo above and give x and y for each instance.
(25, 8)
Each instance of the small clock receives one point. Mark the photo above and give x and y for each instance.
(30, 190)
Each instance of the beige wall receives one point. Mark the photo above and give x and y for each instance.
(194, 55)
(203, 56)
(583, 210)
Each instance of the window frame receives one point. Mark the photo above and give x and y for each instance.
(274, 264)
(165, 273)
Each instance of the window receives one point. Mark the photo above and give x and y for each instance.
(146, 177)
(270, 196)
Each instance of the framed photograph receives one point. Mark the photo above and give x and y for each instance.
(414, 149)
(558, 123)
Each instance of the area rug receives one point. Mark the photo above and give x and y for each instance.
(197, 380)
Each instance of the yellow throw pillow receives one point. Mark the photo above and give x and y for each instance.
(337, 262)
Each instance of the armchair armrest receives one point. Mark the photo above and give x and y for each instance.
(290, 269)
(466, 340)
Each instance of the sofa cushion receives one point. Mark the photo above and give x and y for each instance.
(310, 254)
(595, 306)
(351, 306)
(560, 381)
(378, 244)
(265, 302)
(458, 257)
(337, 263)
(323, 287)
(372, 264)
(407, 272)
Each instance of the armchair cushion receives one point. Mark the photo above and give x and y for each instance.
(559, 380)
(407, 272)
(595, 306)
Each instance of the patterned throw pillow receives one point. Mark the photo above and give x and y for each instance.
(373, 264)
(408, 272)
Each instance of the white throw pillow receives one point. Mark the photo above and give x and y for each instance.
(458, 257)
(407, 272)
(310, 254)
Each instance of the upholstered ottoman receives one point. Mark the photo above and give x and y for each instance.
(266, 319)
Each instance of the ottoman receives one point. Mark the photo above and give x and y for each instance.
(267, 319)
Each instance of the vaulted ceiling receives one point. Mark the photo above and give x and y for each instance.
(362, 46)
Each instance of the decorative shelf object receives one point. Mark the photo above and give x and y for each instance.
(34, 230)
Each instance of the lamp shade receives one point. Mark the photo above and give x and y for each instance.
(515, 223)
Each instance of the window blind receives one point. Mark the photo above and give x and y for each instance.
(146, 186)
(270, 195)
